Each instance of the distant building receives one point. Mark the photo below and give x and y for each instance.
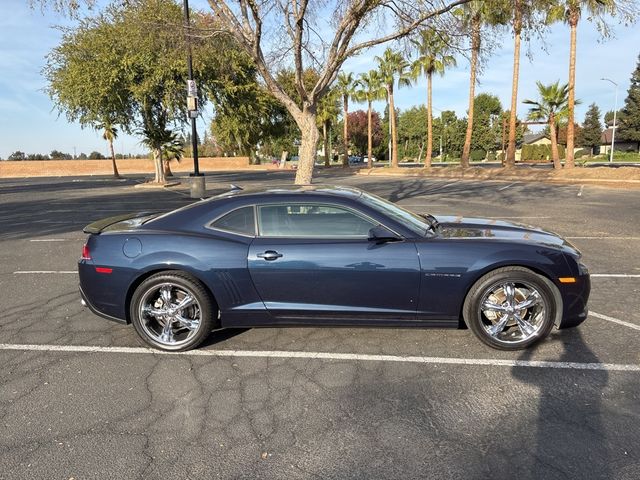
(535, 139)
(620, 146)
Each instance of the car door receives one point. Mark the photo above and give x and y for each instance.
(313, 263)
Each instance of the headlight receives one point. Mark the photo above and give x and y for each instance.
(584, 270)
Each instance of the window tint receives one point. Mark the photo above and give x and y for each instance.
(238, 221)
(311, 220)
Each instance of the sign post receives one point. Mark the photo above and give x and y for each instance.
(197, 181)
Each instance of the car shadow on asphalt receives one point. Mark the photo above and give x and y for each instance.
(217, 337)
(570, 433)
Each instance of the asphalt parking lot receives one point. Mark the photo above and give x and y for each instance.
(80, 399)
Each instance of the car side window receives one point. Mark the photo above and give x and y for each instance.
(311, 220)
(239, 221)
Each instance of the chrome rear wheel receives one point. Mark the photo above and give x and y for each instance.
(172, 311)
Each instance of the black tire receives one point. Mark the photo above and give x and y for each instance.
(512, 337)
(183, 334)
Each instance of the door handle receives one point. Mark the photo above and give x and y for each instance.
(269, 255)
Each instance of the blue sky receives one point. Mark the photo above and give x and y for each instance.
(29, 123)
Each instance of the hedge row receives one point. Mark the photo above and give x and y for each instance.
(539, 153)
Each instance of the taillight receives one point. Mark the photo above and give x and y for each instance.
(86, 255)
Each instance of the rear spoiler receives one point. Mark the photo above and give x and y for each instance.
(100, 225)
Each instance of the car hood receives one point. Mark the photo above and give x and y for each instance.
(491, 229)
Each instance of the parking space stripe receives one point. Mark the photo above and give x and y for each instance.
(28, 272)
(614, 320)
(602, 238)
(616, 275)
(330, 356)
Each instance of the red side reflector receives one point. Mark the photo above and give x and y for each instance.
(86, 255)
(104, 270)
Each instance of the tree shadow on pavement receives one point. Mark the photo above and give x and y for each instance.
(571, 438)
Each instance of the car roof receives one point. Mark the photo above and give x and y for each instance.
(317, 189)
(239, 196)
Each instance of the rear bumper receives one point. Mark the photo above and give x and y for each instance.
(87, 303)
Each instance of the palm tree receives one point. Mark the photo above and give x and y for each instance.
(328, 111)
(473, 16)
(510, 154)
(109, 133)
(389, 65)
(570, 11)
(553, 103)
(433, 57)
(369, 89)
(346, 90)
(171, 149)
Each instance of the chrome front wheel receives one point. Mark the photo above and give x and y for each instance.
(510, 308)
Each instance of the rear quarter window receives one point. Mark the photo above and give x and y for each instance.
(240, 221)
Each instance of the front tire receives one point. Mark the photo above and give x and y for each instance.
(511, 308)
(171, 311)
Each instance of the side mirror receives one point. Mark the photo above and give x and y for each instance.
(381, 234)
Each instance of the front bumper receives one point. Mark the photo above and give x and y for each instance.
(575, 297)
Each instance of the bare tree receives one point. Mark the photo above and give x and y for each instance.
(316, 34)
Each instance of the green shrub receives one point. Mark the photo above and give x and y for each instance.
(580, 153)
(477, 155)
(491, 156)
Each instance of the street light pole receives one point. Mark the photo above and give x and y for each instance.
(197, 182)
(615, 112)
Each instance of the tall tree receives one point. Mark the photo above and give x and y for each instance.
(109, 134)
(328, 112)
(553, 103)
(369, 88)
(630, 113)
(434, 56)
(571, 11)
(524, 17)
(255, 24)
(591, 132)
(142, 69)
(346, 89)
(474, 14)
(608, 117)
(288, 30)
(486, 120)
(390, 65)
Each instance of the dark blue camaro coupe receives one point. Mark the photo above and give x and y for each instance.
(320, 255)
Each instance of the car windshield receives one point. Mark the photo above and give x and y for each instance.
(412, 221)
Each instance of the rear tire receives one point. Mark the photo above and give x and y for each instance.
(511, 308)
(172, 311)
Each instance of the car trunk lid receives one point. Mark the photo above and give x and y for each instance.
(128, 221)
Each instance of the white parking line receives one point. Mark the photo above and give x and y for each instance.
(503, 217)
(330, 356)
(50, 240)
(581, 189)
(615, 320)
(616, 275)
(602, 238)
(510, 185)
(29, 272)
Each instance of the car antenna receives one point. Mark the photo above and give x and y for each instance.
(235, 188)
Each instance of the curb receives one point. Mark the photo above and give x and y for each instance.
(578, 180)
